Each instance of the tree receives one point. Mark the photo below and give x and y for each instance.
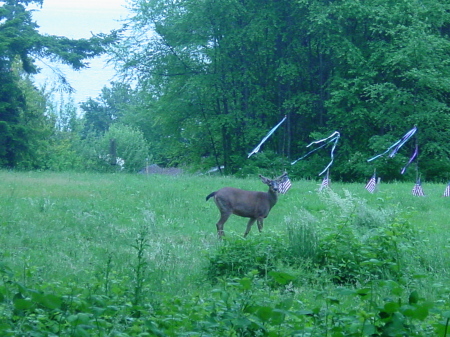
(20, 44)
(212, 72)
(100, 113)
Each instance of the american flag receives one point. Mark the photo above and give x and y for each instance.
(285, 185)
(447, 191)
(325, 183)
(417, 189)
(371, 184)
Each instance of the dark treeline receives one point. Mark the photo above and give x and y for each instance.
(210, 78)
(219, 74)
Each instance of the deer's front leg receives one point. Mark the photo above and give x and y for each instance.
(249, 226)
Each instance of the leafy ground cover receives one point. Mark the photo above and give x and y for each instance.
(136, 255)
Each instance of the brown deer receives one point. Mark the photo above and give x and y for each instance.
(247, 204)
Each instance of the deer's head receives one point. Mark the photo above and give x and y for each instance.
(273, 183)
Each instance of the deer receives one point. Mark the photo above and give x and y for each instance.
(247, 204)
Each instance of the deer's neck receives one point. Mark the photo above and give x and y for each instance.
(273, 197)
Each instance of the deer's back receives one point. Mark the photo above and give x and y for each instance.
(243, 203)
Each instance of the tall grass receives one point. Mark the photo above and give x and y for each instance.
(155, 237)
(57, 226)
(69, 224)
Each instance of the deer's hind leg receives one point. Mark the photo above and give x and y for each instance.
(249, 226)
(223, 218)
(260, 224)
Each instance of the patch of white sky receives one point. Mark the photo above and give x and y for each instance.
(78, 19)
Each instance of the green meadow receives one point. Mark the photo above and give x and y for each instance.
(136, 255)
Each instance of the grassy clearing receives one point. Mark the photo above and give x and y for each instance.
(150, 239)
(69, 225)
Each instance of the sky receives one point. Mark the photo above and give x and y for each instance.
(79, 19)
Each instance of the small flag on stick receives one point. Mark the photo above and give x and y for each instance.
(325, 182)
(371, 184)
(417, 190)
(447, 191)
(285, 185)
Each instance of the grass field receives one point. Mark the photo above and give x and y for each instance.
(139, 242)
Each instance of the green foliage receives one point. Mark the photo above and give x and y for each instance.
(242, 307)
(13, 134)
(130, 146)
(238, 256)
(303, 240)
(360, 243)
(352, 243)
(25, 127)
(215, 76)
(121, 148)
(62, 152)
(212, 77)
(140, 269)
(202, 84)
(266, 163)
(108, 108)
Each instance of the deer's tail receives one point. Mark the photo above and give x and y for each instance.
(210, 195)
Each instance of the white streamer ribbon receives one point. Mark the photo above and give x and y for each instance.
(256, 149)
(334, 137)
(397, 145)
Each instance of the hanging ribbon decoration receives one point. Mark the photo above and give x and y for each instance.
(397, 145)
(414, 155)
(256, 149)
(333, 138)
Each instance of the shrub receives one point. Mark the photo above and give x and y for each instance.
(358, 243)
(131, 150)
(237, 256)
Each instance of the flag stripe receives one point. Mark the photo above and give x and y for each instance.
(285, 186)
(447, 191)
(325, 182)
(371, 184)
(417, 190)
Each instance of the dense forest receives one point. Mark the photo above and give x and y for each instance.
(204, 81)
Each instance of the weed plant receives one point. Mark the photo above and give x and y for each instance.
(135, 255)
(236, 257)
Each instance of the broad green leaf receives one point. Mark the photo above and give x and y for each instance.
(246, 283)
(281, 277)
(413, 297)
(391, 307)
(264, 313)
(363, 291)
(22, 304)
